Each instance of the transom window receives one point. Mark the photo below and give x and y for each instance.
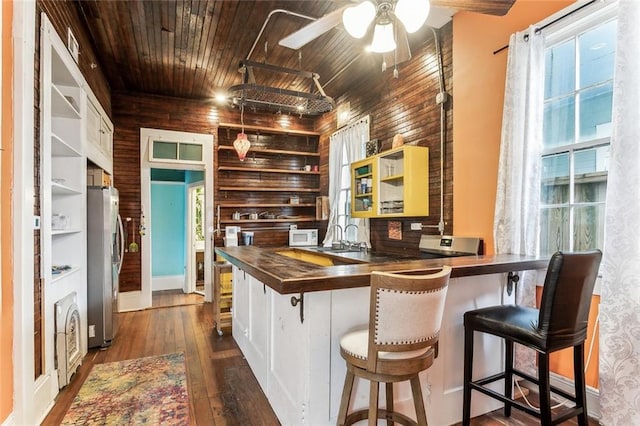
(578, 93)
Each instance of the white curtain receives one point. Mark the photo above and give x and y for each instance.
(516, 224)
(620, 294)
(348, 141)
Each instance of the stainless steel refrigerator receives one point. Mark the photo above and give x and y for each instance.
(105, 249)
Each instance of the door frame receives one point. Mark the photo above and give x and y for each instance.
(137, 300)
(191, 275)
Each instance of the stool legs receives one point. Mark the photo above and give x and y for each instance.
(508, 375)
(389, 397)
(468, 370)
(544, 389)
(421, 413)
(579, 381)
(373, 403)
(346, 397)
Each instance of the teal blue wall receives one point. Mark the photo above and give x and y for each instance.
(168, 223)
(191, 176)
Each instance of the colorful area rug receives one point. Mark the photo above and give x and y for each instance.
(143, 391)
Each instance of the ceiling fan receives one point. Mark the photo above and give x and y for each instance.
(393, 19)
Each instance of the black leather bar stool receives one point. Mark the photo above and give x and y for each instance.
(405, 315)
(561, 322)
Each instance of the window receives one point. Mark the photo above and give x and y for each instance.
(344, 199)
(176, 152)
(579, 65)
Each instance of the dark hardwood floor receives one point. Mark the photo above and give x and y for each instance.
(168, 298)
(222, 389)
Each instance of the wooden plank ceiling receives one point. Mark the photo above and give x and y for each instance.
(192, 48)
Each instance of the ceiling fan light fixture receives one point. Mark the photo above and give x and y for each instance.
(383, 38)
(356, 19)
(412, 13)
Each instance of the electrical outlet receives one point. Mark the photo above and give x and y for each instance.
(92, 331)
(417, 226)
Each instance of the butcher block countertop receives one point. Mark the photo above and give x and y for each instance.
(288, 275)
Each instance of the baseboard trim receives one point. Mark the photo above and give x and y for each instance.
(566, 384)
(130, 301)
(167, 282)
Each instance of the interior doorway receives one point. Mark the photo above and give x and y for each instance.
(171, 150)
(177, 237)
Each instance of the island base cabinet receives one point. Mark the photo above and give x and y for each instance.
(298, 363)
(251, 322)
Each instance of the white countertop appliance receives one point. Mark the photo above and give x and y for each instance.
(303, 237)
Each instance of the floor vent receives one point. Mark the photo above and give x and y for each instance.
(68, 346)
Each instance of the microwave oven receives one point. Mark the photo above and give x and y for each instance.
(303, 237)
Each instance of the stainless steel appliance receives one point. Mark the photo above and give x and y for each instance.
(303, 237)
(105, 249)
(437, 246)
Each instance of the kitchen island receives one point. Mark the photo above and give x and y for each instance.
(291, 307)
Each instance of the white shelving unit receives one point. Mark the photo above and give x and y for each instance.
(63, 167)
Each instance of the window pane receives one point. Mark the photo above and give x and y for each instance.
(595, 112)
(165, 150)
(559, 122)
(560, 70)
(555, 179)
(345, 177)
(597, 53)
(590, 174)
(554, 230)
(588, 227)
(342, 202)
(190, 152)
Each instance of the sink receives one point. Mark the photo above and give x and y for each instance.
(335, 250)
(321, 258)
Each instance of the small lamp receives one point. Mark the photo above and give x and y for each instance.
(241, 144)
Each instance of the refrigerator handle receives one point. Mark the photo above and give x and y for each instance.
(121, 237)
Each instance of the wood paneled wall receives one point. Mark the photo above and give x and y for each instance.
(130, 113)
(407, 106)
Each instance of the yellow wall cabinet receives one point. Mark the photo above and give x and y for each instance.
(394, 183)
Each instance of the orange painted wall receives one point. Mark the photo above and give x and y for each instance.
(6, 322)
(478, 95)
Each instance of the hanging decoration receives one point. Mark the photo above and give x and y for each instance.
(241, 144)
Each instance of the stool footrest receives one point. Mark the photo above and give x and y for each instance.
(383, 414)
(479, 385)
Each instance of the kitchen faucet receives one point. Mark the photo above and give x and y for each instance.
(339, 241)
(347, 227)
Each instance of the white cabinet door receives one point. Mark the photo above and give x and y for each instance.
(257, 351)
(106, 138)
(93, 125)
(299, 361)
(240, 310)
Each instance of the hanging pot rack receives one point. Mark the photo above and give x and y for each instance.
(254, 95)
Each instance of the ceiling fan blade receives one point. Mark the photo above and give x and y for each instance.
(487, 7)
(313, 30)
(402, 52)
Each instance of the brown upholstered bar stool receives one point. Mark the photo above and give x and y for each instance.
(405, 313)
(561, 322)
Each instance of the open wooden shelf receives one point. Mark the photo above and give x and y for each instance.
(264, 189)
(256, 169)
(255, 205)
(271, 151)
(279, 220)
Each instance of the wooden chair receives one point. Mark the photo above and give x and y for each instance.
(400, 341)
(561, 322)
